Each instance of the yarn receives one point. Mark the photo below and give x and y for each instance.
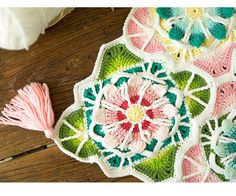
(21, 27)
(195, 167)
(218, 62)
(183, 33)
(160, 103)
(218, 138)
(161, 167)
(226, 98)
(117, 57)
(31, 109)
(134, 113)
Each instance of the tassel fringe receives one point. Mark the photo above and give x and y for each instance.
(31, 109)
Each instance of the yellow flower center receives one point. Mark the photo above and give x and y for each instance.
(194, 13)
(135, 113)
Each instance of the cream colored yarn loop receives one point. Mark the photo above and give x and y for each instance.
(21, 27)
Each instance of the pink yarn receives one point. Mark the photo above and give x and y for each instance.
(218, 62)
(226, 97)
(194, 166)
(31, 109)
(138, 34)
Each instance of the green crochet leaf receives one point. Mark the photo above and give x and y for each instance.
(115, 59)
(161, 167)
(197, 100)
(76, 120)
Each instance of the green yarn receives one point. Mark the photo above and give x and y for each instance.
(194, 107)
(161, 167)
(65, 131)
(72, 144)
(197, 82)
(218, 31)
(197, 40)
(176, 33)
(165, 12)
(115, 59)
(181, 80)
(76, 119)
(226, 12)
(204, 95)
(89, 149)
(207, 147)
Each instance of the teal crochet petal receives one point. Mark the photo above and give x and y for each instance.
(225, 12)
(225, 149)
(197, 37)
(197, 40)
(217, 30)
(230, 170)
(177, 32)
(168, 12)
(164, 12)
(229, 129)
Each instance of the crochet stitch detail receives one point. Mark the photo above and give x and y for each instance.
(160, 104)
(181, 33)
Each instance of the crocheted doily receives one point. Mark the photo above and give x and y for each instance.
(161, 102)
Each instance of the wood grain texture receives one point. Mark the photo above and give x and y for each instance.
(52, 165)
(64, 55)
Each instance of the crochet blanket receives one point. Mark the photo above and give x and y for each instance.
(161, 102)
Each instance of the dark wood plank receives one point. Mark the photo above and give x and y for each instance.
(63, 56)
(52, 165)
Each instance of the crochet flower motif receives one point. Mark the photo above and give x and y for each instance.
(182, 33)
(226, 148)
(218, 137)
(134, 113)
(194, 25)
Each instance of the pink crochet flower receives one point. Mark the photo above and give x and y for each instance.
(134, 113)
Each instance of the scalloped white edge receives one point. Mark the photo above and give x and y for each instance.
(170, 66)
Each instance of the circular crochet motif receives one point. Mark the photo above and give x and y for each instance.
(183, 32)
(218, 137)
(195, 26)
(135, 113)
(192, 166)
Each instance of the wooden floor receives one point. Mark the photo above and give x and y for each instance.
(63, 56)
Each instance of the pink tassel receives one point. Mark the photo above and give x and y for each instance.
(31, 109)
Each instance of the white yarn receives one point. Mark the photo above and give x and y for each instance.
(21, 27)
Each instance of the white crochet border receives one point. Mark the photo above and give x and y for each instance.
(171, 66)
